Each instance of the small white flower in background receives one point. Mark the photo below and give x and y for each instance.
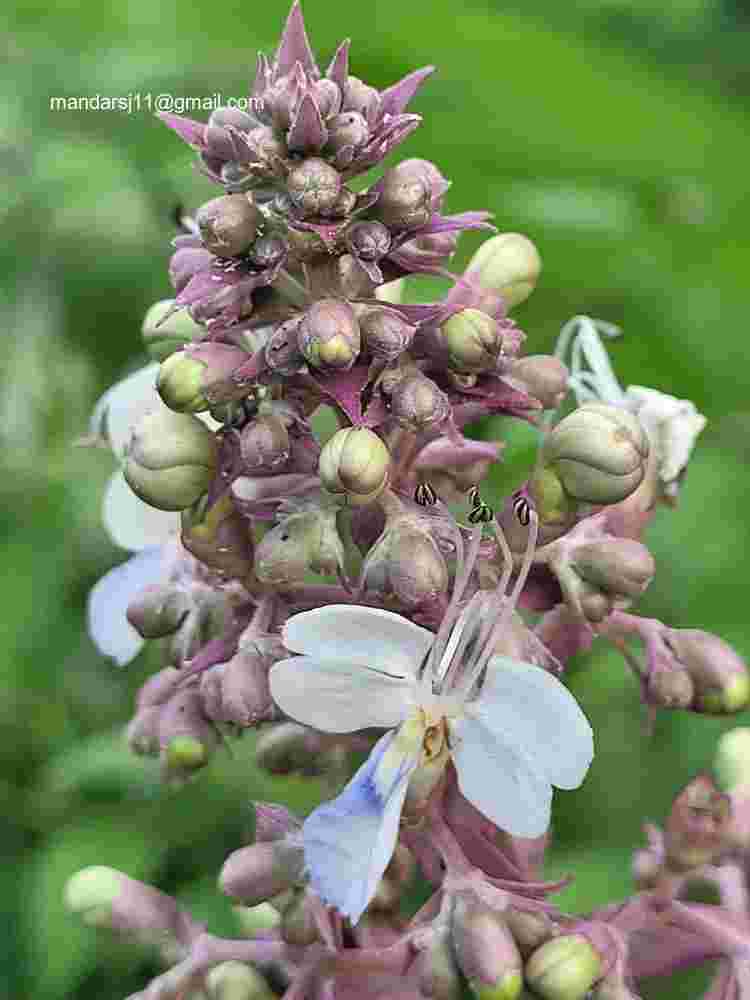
(673, 425)
(511, 729)
(132, 524)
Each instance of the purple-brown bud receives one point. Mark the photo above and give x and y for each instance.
(360, 97)
(282, 352)
(385, 334)
(185, 263)
(347, 130)
(219, 537)
(268, 250)
(543, 376)
(418, 404)
(256, 873)
(229, 224)
(288, 748)
(696, 832)
(329, 336)
(273, 821)
(405, 200)
(368, 240)
(298, 924)
(328, 97)
(314, 186)
(406, 563)
(264, 445)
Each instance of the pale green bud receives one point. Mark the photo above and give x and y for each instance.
(170, 460)
(564, 968)
(91, 893)
(172, 335)
(186, 753)
(595, 455)
(237, 981)
(300, 543)
(180, 383)
(356, 462)
(329, 335)
(474, 341)
(732, 760)
(255, 919)
(509, 264)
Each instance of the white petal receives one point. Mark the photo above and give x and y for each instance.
(363, 635)
(350, 841)
(337, 696)
(108, 601)
(499, 780)
(133, 524)
(121, 406)
(533, 712)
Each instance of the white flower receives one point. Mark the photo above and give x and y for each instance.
(673, 425)
(132, 524)
(511, 729)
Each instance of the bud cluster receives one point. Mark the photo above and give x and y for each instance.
(286, 305)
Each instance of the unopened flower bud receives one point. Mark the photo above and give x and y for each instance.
(218, 536)
(268, 250)
(696, 831)
(256, 919)
(158, 610)
(595, 455)
(530, 929)
(486, 952)
(300, 543)
(314, 186)
(282, 351)
(671, 688)
(437, 973)
(274, 821)
(185, 263)
(206, 620)
(328, 97)
(544, 377)
(288, 748)
(355, 461)
(509, 264)
(186, 737)
(720, 676)
(474, 341)
(234, 117)
(346, 130)
(418, 403)
(405, 200)
(368, 240)
(281, 101)
(564, 968)
(229, 224)
(329, 335)
(605, 573)
(405, 562)
(386, 335)
(359, 96)
(298, 924)
(142, 733)
(237, 981)
(246, 697)
(344, 204)
(200, 377)
(264, 445)
(254, 874)
(164, 338)
(105, 897)
(732, 760)
(170, 460)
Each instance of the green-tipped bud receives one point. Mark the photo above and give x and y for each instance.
(543, 376)
(595, 455)
(564, 968)
(301, 543)
(314, 186)
(509, 264)
(237, 981)
(253, 920)
(486, 952)
(732, 760)
(170, 460)
(171, 335)
(158, 610)
(474, 341)
(180, 383)
(218, 536)
(720, 676)
(92, 892)
(697, 830)
(329, 335)
(356, 462)
(229, 224)
(186, 753)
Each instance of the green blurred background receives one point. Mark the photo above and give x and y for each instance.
(613, 132)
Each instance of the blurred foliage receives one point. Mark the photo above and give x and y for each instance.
(596, 135)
